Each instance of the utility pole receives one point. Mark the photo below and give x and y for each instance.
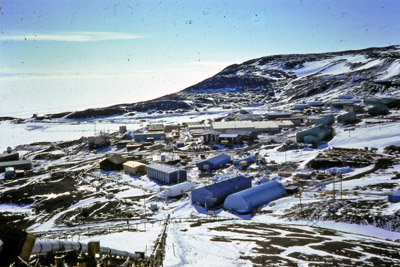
(334, 192)
(144, 205)
(341, 186)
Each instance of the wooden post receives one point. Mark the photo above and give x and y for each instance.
(82, 261)
(28, 247)
(93, 248)
(59, 261)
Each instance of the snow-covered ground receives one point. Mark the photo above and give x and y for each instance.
(378, 136)
(14, 134)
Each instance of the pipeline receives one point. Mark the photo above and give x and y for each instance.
(43, 247)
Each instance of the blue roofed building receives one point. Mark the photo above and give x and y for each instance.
(229, 139)
(394, 197)
(278, 115)
(247, 200)
(214, 195)
(244, 162)
(166, 174)
(214, 163)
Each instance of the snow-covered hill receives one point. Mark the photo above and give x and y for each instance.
(360, 72)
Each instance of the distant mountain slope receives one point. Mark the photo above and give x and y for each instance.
(289, 77)
(278, 79)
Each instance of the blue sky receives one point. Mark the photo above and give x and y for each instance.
(168, 45)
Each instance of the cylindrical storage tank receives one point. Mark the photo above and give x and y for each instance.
(246, 200)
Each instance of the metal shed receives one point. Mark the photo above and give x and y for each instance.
(166, 174)
(246, 200)
(229, 139)
(378, 110)
(214, 195)
(315, 135)
(390, 102)
(134, 167)
(214, 162)
(155, 127)
(278, 115)
(339, 104)
(210, 137)
(144, 137)
(245, 127)
(13, 155)
(347, 118)
(98, 141)
(16, 164)
(112, 163)
(325, 120)
(282, 124)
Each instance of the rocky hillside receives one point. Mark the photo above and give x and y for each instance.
(278, 79)
(290, 77)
